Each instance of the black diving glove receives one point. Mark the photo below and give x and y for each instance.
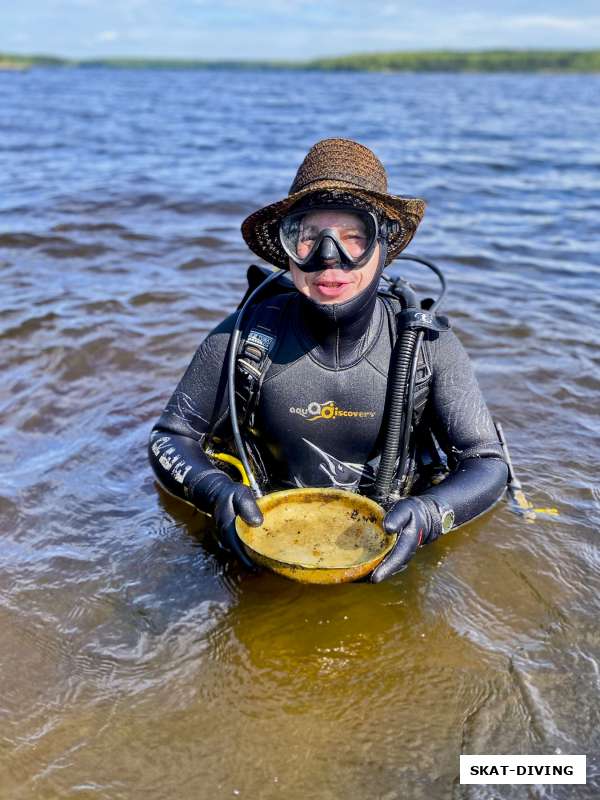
(417, 521)
(217, 494)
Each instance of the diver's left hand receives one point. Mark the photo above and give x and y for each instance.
(413, 520)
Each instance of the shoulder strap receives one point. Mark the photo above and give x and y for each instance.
(259, 341)
(392, 307)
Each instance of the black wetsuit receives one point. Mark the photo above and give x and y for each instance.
(320, 413)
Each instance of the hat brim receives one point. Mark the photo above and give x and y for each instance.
(261, 229)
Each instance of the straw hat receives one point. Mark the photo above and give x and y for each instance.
(337, 166)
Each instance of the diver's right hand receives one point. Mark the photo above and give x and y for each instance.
(225, 499)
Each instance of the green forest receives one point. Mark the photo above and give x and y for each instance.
(422, 61)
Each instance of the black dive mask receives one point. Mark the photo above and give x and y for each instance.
(342, 235)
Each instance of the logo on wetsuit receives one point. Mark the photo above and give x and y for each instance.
(327, 410)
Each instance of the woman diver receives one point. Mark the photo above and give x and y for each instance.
(316, 377)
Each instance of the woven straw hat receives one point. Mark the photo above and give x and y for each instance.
(336, 165)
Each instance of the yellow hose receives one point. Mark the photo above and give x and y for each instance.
(529, 512)
(234, 462)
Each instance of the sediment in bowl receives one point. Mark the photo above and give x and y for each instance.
(318, 535)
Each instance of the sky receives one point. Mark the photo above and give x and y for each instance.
(290, 29)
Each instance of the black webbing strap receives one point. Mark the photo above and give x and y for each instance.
(254, 359)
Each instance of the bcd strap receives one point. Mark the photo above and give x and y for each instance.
(254, 358)
(418, 319)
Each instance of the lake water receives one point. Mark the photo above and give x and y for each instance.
(136, 661)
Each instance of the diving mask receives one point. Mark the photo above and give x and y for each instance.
(345, 235)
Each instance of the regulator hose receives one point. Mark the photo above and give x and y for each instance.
(403, 368)
(434, 268)
(410, 402)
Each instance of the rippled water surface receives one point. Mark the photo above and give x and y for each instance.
(136, 662)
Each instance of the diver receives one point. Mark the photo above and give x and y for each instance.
(313, 374)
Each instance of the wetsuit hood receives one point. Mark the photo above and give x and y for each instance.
(337, 332)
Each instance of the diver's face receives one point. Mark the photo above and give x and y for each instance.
(333, 284)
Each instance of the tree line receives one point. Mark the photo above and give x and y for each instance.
(418, 61)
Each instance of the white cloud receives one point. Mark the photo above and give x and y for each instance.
(107, 36)
(478, 22)
(552, 22)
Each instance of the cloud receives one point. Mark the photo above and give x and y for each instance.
(552, 22)
(107, 36)
(477, 21)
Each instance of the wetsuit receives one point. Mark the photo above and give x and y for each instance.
(320, 413)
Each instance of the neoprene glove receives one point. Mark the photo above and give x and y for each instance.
(225, 499)
(416, 520)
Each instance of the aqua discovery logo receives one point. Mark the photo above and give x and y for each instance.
(328, 410)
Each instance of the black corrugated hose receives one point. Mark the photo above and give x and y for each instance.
(401, 394)
(403, 368)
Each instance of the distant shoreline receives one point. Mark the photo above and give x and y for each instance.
(553, 61)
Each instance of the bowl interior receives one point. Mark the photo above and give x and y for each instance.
(318, 529)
